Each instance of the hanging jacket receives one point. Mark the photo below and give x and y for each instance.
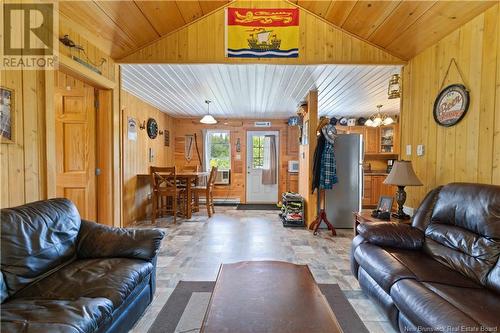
(318, 155)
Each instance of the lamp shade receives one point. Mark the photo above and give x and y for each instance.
(208, 119)
(402, 174)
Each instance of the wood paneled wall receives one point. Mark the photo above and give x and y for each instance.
(238, 130)
(136, 155)
(22, 162)
(203, 42)
(27, 166)
(306, 157)
(469, 151)
(89, 42)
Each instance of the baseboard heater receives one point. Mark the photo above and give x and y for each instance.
(223, 201)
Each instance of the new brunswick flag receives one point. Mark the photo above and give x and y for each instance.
(262, 33)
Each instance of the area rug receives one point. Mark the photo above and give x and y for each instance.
(186, 307)
(257, 207)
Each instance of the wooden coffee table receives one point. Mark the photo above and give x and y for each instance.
(267, 296)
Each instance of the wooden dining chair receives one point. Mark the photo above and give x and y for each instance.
(207, 191)
(164, 182)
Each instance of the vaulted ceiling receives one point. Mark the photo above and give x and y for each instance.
(403, 28)
(260, 91)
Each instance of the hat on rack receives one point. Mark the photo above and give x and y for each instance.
(343, 121)
(333, 121)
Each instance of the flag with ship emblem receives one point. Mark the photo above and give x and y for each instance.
(262, 33)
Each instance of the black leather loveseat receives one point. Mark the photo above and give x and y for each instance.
(442, 273)
(64, 274)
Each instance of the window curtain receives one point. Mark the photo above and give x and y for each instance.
(269, 169)
(206, 150)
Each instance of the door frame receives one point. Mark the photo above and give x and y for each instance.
(108, 188)
(249, 149)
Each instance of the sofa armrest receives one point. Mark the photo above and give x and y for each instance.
(100, 241)
(392, 234)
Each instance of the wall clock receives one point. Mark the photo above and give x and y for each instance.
(451, 105)
(152, 128)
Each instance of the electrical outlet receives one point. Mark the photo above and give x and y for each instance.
(420, 150)
(408, 150)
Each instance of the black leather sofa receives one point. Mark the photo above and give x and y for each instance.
(442, 273)
(64, 274)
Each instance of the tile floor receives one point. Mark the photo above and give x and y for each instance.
(192, 250)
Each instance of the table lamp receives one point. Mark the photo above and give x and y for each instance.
(402, 175)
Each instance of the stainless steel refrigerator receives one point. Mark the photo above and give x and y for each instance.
(345, 197)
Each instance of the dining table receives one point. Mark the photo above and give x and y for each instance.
(186, 177)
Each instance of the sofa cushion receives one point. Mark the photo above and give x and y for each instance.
(481, 304)
(36, 239)
(47, 315)
(426, 269)
(388, 265)
(464, 231)
(113, 278)
(384, 268)
(428, 310)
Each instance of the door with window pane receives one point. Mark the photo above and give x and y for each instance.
(259, 150)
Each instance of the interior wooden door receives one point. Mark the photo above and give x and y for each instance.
(75, 144)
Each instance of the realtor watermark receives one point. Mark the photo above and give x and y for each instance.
(29, 35)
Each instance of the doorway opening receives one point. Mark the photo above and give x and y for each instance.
(262, 166)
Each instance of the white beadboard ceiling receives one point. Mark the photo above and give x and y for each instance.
(261, 91)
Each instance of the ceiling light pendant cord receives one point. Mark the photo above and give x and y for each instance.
(453, 61)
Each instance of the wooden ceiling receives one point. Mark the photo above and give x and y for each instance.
(125, 26)
(258, 91)
(403, 28)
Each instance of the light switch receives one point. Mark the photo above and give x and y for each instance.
(420, 150)
(408, 150)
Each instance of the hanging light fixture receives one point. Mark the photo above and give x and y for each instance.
(394, 88)
(208, 118)
(379, 119)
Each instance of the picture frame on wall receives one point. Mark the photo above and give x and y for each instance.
(7, 115)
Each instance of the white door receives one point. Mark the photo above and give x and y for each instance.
(258, 154)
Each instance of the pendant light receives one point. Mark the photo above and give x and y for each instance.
(208, 119)
(379, 119)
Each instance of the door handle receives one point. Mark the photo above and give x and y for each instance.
(97, 171)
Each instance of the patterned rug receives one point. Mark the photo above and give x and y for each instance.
(186, 307)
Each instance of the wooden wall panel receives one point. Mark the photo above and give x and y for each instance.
(238, 130)
(135, 155)
(203, 42)
(21, 162)
(469, 151)
(91, 45)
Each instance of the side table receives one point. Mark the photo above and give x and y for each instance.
(365, 216)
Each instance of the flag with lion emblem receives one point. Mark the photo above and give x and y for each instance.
(262, 33)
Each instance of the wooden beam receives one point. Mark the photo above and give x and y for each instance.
(79, 71)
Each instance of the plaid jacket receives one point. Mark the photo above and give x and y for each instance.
(328, 176)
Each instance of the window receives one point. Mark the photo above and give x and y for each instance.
(218, 150)
(258, 152)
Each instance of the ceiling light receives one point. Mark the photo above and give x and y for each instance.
(208, 118)
(388, 121)
(369, 123)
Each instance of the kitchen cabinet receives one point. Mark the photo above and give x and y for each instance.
(383, 140)
(374, 188)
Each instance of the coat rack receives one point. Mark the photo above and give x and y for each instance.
(320, 205)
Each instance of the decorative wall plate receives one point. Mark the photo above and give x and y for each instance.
(451, 105)
(152, 128)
